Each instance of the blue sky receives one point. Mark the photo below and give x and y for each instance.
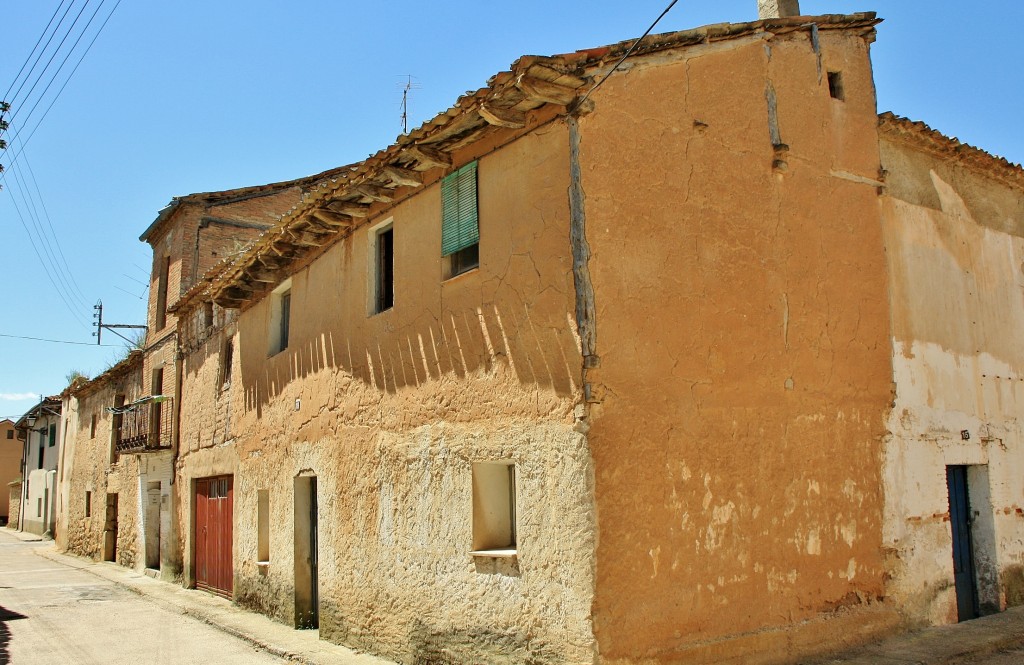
(183, 97)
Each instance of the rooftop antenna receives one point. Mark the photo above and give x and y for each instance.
(406, 87)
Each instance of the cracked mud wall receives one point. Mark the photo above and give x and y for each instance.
(389, 411)
(744, 353)
(955, 245)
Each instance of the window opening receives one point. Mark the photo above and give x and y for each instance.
(385, 242)
(161, 293)
(92, 427)
(263, 525)
(494, 507)
(280, 317)
(460, 227)
(835, 85)
(226, 361)
(88, 504)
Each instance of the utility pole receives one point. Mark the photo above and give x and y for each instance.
(4, 108)
(99, 325)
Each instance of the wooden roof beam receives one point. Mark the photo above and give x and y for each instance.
(373, 192)
(403, 177)
(429, 157)
(332, 220)
(509, 118)
(545, 91)
(349, 208)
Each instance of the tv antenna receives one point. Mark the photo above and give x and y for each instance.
(98, 323)
(408, 86)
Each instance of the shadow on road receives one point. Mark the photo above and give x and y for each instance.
(5, 634)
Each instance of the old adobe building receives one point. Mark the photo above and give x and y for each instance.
(657, 371)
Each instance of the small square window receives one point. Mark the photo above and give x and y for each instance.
(835, 85)
(494, 508)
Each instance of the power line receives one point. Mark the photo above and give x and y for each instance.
(39, 57)
(63, 62)
(58, 341)
(63, 39)
(29, 56)
(43, 238)
(628, 52)
(35, 249)
(65, 84)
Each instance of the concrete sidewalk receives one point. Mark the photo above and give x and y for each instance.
(300, 646)
(956, 643)
(23, 536)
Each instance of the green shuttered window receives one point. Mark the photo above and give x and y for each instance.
(460, 226)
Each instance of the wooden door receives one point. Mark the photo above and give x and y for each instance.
(963, 551)
(213, 555)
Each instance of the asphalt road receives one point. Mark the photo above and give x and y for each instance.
(51, 614)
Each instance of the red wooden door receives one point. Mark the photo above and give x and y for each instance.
(214, 499)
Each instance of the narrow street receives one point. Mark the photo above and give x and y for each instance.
(53, 614)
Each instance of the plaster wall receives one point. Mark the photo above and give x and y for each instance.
(743, 341)
(10, 463)
(390, 410)
(955, 246)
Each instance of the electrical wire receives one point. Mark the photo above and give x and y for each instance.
(39, 57)
(66, 81)
(58, 341)
(627, 53)
(32, 52)
(62, 272)
(42, 72)
(63, 62)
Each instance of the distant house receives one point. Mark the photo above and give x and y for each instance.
(40, 433)
(699, 361)
(10, 467)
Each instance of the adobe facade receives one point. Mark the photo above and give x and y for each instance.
(10, 466)
(702, 383)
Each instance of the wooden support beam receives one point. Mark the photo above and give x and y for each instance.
(305, 239)
(236, 292)
(265, 275)
(502, 117)
(403, 177)
(228, 303)
(545, 91)
(349, 208)
(429, 156)
(374, 192)
(332, 219)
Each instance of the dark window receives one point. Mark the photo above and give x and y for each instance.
(53, 434)
(385, 269)
(835, 85)
(286, 313)
(115, 427)
(226, 360)
(207, 314)
(88, 504)
(92, 427)
(460, 224)
(161, 293)
(10, 434)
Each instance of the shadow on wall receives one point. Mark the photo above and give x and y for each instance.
(473, 342)
(5, 633)
(469, 645)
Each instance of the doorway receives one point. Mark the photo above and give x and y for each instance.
(964, 575)
(213, 540)
(153, 525)
(110, 529)
(307, 594)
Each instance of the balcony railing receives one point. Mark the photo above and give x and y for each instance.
(144, 425)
